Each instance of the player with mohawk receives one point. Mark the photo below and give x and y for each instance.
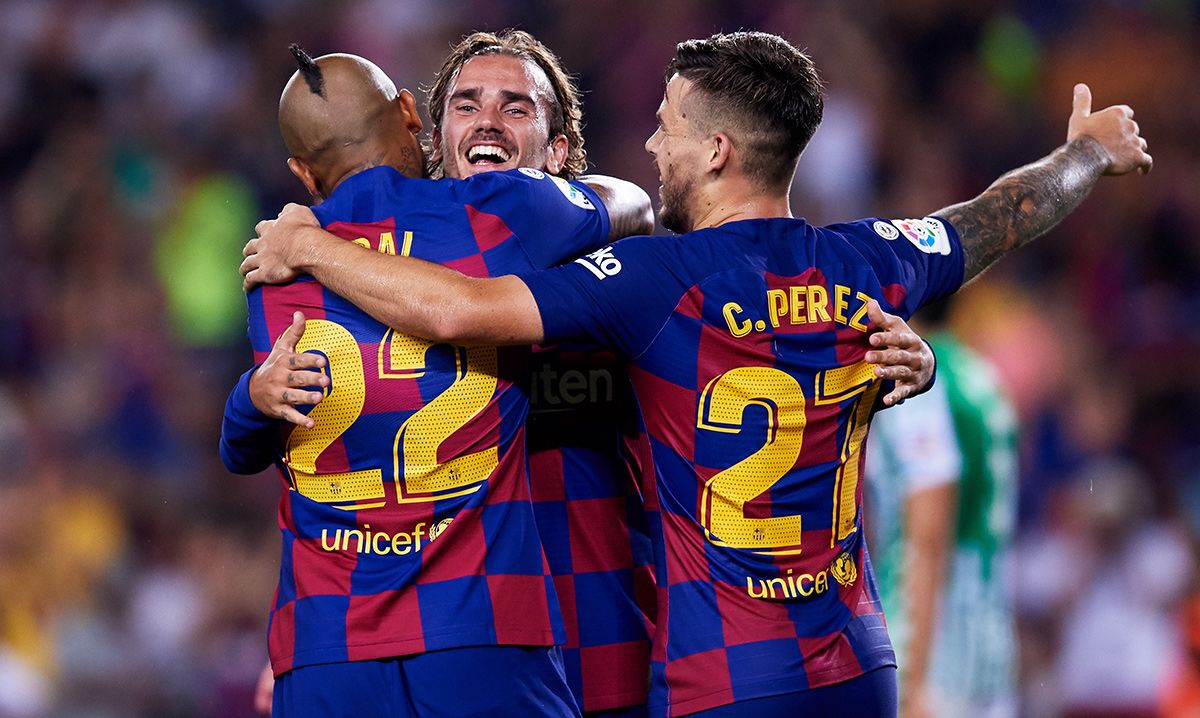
(412, 563)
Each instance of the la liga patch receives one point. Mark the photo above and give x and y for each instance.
(572, 193)
(926, 234)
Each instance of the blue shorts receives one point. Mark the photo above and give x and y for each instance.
(871, 695)
(476, 681)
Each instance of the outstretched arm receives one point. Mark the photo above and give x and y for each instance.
(411, 295)
(1027, 202)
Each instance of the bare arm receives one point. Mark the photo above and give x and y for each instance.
(928, 519)
(629, 209)
(1027, 202)
(411, 295)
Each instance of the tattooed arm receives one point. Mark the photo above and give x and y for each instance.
(1027, 202)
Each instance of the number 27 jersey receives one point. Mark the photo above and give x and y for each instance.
(745, 344)
(406, 515)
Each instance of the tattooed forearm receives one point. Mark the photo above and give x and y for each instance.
(1025, 203)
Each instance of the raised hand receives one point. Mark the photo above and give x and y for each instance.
(1115, 130)
(902, 356)
(279, 385)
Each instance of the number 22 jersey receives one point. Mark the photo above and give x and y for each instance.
(745, 344)
(406, 514)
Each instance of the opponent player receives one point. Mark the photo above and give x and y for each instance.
(365, 576)
(942, 477)
(712, 603)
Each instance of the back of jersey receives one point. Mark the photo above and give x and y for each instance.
(406, 517)
(746, 343)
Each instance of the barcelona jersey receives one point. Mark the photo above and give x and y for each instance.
(745, 344)
(406, 514)
(585, 449)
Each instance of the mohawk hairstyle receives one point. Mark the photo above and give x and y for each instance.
(309, 69)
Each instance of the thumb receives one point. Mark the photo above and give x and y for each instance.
(291, 336)
(875, 313)
(1081, 103)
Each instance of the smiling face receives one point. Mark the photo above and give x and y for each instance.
(676, 148)
(497, 118)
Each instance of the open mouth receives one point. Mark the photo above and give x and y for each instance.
(488, 155)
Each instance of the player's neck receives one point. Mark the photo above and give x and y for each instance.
(722, 206)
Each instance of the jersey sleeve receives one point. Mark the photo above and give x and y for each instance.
(552, 219)
(921, 434)
(917, 260)
(618, 296)
(249, 439)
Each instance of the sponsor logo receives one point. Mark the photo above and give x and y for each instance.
(843, 569)
(555, 389)
(804, 585)
(601, 263)
(927, 235)
(531, 172)
(573, 193)
(885, 230)
(788, 585)
(382, 543)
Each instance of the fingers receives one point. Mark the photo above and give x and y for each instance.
(905, 379)
(249, 264)
(898, 395)
(251, 247)
(289, 414)
(892, 357)
(1081, 101)
(263, 226)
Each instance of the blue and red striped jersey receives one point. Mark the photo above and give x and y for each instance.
(584, 444)
(745, 344)
(407, 518)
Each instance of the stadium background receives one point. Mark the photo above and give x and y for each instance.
(138, 147)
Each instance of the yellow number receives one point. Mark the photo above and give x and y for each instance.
(418, 439)
(722, 507)
(336, 412)
(421, 477)
(836, 385)
(725, 495)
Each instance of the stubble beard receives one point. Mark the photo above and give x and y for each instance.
(674, 212)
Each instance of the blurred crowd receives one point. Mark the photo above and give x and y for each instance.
(138, 147)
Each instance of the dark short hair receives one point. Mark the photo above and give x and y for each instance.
(761, 90)
(566, 112)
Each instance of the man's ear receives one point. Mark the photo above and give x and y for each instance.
(307, 177)
(412, 118)
(720, 152)
(559, 148)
